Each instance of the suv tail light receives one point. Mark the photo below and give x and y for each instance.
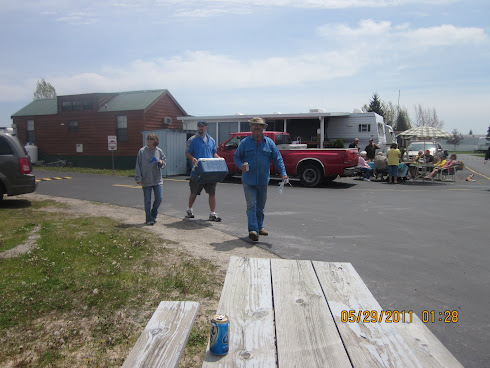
(24, 165)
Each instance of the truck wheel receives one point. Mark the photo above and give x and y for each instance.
(310, 176)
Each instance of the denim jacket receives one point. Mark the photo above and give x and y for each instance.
(258, 158)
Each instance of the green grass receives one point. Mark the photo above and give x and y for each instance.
(86, 170)
(87, 289)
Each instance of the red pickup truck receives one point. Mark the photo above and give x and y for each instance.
(311, 165)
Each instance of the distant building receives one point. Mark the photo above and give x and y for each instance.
(76, 127)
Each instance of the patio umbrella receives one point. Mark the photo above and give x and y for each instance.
(424, 132)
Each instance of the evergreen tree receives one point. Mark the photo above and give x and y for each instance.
(375, 105)
(44, 90)
(403, 120)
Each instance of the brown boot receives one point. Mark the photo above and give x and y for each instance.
(253, 235)
(263, 232)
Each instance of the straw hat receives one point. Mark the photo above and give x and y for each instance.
(258, 121)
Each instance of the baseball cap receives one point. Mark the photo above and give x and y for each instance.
(202, 123)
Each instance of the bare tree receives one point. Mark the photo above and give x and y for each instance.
(427, 117)
(391, 113)
(44, 90)
(457, 138)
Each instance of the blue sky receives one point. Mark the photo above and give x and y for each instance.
(221, 57)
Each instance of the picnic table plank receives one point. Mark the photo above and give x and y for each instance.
(163, 340)
(426, 346)
(376, 344)
(306, 333)
(246, 299)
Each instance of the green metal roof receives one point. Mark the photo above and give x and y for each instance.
(47, 106)
(122, 101)
(136, 100)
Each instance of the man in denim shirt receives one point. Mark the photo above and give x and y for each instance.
(253, 156)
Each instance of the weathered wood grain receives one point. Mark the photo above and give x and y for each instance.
(425, 345)
(368, 344)
(306, 333)
(246, 299)
(164, 338)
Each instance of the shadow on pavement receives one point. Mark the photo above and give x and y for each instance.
(189, 224)
(243, 242)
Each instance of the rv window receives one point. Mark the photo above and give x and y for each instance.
(364, 127)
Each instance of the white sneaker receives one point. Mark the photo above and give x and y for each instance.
(366, 179)
(189, 213)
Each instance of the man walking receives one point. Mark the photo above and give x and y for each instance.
(371, 150)
(149, 163)
(253, 156)
(201, 145)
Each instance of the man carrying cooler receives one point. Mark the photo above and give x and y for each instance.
(201, 145)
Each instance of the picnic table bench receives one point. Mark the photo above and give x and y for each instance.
(287, 313)
(163, 340)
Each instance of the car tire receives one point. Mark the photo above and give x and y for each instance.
(310, 175)
(1, 192)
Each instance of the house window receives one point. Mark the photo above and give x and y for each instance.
(77, 105)
(31, 137)
(73, 126)
(122, 128)
(66, 106)
(364, 127)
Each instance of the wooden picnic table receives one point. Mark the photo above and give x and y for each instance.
(287, 313)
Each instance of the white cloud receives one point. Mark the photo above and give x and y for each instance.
(383, 35)
(78, 18)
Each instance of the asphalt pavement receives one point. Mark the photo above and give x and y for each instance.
(419, 246)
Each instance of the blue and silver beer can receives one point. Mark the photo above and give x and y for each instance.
(219, 337)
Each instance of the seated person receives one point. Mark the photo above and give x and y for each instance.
(365, 168)
(429, 159)
(380, 163)
(451, 163)
(419, 159)
(440, 163)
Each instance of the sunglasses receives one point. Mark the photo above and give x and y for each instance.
(150, 139)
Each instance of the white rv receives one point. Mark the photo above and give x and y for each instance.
(362, 125)
(483, 144)
(316, 128)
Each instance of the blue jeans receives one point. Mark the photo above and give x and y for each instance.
(256, 196)
(367, 172)
(152, 213)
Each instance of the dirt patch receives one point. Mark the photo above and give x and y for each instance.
(199, 241)
(25, 247)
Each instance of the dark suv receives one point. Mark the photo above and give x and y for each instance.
(15, 167)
